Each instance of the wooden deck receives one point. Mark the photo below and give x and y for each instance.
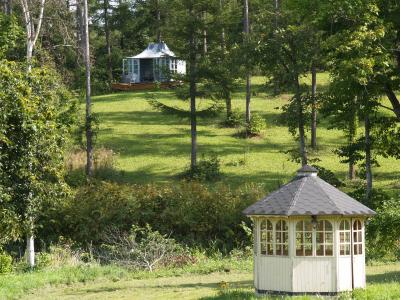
(143, 86)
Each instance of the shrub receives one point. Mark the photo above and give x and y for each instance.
(5, 263)
(207, 169)
(256, 126)
(191, 212)
(234, 119)
(142, 248)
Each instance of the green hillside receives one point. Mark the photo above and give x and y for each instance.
(154, 147)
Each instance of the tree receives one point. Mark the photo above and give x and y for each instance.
(246, 30)
(288, 51)
(88, 124)
(358, 58)
(35, 115)
(186, 27)
(32, 28)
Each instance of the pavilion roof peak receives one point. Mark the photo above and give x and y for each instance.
(307, 170)
(307, 194)
(155, 50)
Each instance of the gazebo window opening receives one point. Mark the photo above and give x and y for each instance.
(344, 237)
(324, 238)
(174, 66)
(124, 66)
(357, 238)
(281, 238)
(266, 237)
(161, 65)
(304, 238)
(133, 66)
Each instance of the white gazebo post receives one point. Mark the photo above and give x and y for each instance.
(309, 238)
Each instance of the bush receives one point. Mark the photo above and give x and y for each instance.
(234, 119)
(191, 212)
(5, 263)
(207, 169)
(256, 126)
(142, 248)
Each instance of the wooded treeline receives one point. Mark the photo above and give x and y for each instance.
(225, 43)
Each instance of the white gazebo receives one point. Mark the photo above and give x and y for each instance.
(152, 65)
(308, 238)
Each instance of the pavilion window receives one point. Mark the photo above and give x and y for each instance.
(266, 238)
(174, 66)
(304, 238)
(324, 238)
(344, 237)
(130, 66)
(135, 67)
(281, 238)
(357, 238)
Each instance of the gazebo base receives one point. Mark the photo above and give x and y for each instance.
(142, 86)
(264, 292)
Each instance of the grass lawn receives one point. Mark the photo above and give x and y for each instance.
(154, 147)
(383, 283)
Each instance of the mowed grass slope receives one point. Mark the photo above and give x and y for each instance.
(383, 283)
(154, 147)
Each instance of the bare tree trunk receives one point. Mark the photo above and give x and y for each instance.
(300, 116)
(228, 101)
(193, 91)
(159, 36)
(79, 32)
(368, 151)
(108, 42)
(30, 249)
(7, 7)
(228, 97)
(32, 34)
(276, 6)
(352, 136)
(32, 29)
(89, 131)
(314, 107)
(205, 45)
(223, 42)
(248, 76)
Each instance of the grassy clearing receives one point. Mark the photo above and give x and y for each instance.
(16, 285)
(153, 147)
(383, 283)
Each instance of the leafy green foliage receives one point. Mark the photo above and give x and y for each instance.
(234, 119)
(10, 36)
(207, 169)
(256, 126)
(5, 263)
(35, 118)
(191, 212)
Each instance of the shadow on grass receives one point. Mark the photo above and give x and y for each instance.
(387, 277)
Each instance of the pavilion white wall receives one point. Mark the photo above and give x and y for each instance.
(181, 67)
(344, 267)
(307, 274)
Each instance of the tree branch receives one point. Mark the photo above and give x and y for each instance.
(393, 100)
(39, 24)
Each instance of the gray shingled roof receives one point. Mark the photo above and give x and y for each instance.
(308, 195)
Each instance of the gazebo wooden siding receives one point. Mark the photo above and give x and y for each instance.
(309, 237)
(307, 274)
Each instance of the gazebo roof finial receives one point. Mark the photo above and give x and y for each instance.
(307, 170)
